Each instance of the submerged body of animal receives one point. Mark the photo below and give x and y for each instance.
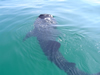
(46, 32)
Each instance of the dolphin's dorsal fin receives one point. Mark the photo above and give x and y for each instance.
(53, 45)
(71, 64)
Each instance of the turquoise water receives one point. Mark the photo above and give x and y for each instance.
(79, 26)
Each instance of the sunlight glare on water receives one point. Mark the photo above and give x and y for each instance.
(93, 2)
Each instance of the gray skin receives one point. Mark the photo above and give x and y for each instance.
(46, 33)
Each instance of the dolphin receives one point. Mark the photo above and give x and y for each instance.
(46, 32)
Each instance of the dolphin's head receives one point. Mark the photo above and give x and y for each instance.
(45, 27)
(44, 16)
(45, 21)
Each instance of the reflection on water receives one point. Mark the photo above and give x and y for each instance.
(78, 25)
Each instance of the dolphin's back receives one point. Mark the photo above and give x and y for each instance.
(51, 50)
(45, 31)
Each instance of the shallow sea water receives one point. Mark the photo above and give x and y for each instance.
(79, 26)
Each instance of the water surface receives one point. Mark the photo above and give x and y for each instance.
(79, 26)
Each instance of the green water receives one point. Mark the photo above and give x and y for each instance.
(79, 26)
